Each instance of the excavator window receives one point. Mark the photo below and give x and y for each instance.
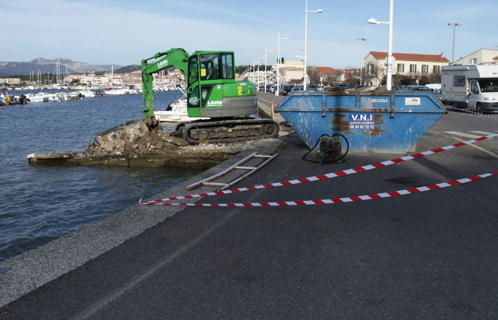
(193, 73)
(216, 66)
(227, 65)
(210, 66)
(193, 98)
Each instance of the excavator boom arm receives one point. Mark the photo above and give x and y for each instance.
(172, 58)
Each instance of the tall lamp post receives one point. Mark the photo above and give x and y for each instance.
(258, 74)
(253, 71)
(299, 57)
(278, 63)
(361, 58)
(266, 54)
(389, 66)
(454, 24)
(306, 41)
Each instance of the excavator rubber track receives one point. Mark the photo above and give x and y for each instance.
(229, 130)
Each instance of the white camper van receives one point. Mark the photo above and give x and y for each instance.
(470, 86)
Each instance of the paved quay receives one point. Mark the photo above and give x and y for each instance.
(426, 255)
(266, 99)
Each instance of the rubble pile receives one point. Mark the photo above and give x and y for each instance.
(132, 144)
(133, 139)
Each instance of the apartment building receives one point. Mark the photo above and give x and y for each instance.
(479, 57)
(10, 80)
(404, 64)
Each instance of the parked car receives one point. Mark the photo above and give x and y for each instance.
(285, 89)
(436, 93)
(298, 88)
(416, 88)
(309, 87)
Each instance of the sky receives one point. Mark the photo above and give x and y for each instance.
(123, 32)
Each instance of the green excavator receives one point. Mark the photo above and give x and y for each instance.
(212, 92)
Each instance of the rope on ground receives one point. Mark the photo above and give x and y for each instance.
(337, 200)
(470, 111)
(325, 176)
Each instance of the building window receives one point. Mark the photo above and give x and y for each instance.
(437, 69)
(413, 68)
(401, 68)
(425, 68)
(473, 61)
(370, 69)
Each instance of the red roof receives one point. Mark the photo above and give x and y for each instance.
(326, 70)
(411, 56)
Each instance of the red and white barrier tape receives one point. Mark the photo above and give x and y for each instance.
(324, 176)
(470, 111)
(337, 200)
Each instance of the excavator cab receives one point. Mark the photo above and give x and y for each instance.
(213, 90)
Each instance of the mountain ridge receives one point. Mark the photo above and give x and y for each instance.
(49, 66)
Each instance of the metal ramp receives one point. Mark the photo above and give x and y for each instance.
(237, 166)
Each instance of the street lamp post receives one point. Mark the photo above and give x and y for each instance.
(302, 58)
(253, 70)
(361, 58)
(258, 74)
(278, 62)
(266, 54)
(454, 24)
(389, 65)
(306, 41)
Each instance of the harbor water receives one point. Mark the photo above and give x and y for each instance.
(41, 203)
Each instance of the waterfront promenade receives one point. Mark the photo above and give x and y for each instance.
(266, 99)
(427, 255)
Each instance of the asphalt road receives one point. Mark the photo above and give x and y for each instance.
(430, 255)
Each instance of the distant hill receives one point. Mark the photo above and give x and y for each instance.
(49, 65)
(127, 69)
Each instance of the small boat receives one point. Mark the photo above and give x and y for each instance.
(115, 91)
(120, 91)
(176, 112)
(62, 96)
(39, 97)
(51, 96)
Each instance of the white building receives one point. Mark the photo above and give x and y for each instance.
(10, 80)
(290, 71)
(479, 57)
(404, 64)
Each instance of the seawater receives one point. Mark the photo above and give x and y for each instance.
(40, 203)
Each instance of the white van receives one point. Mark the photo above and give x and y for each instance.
(434, 86)
(470, 86)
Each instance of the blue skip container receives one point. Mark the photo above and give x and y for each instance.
(380, 122)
